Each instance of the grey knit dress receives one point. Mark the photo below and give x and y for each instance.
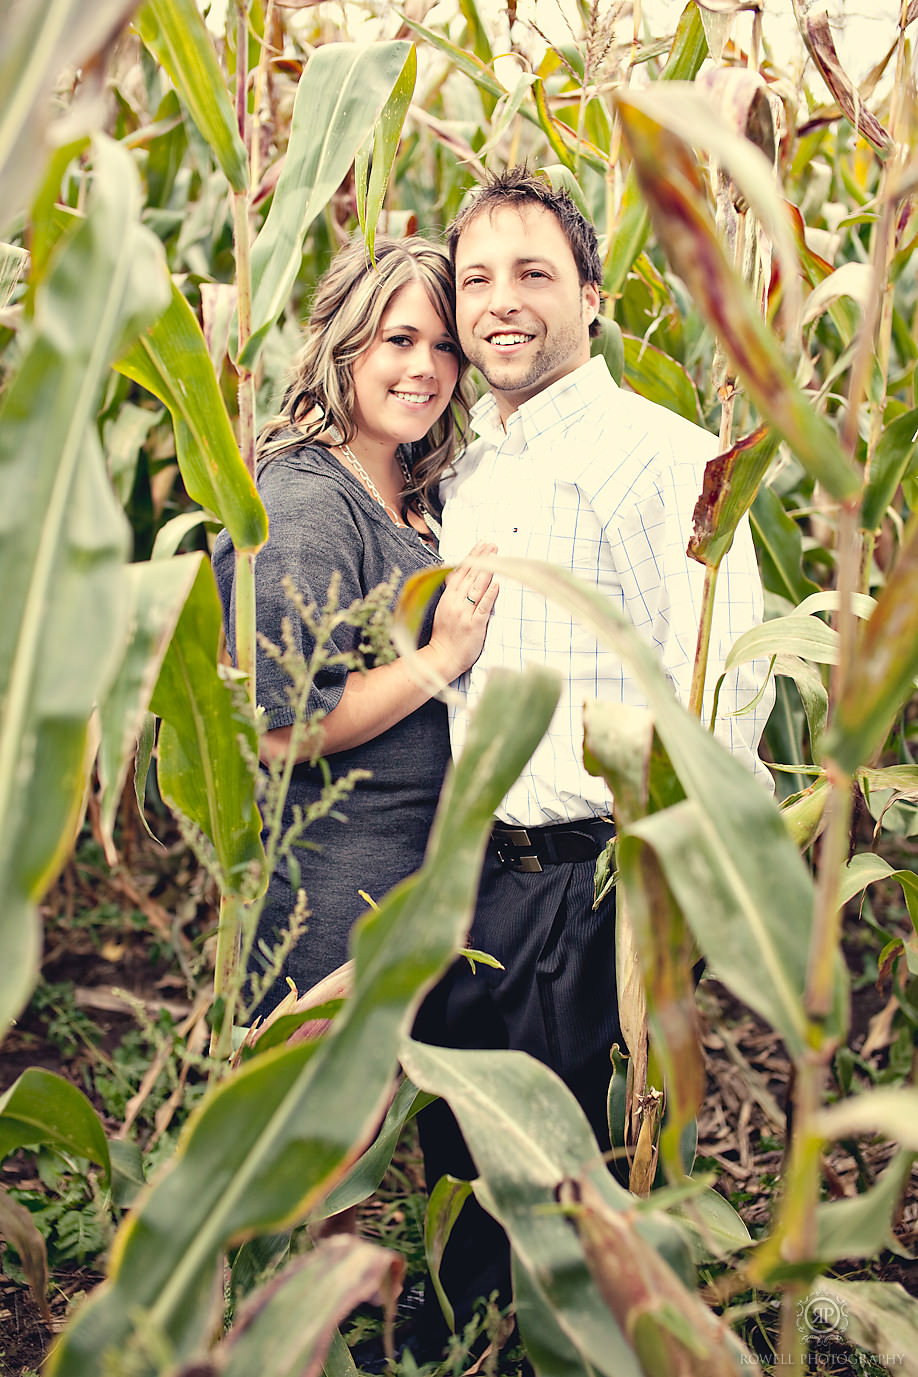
(321, 520)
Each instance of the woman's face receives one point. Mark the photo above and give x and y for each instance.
(404, 381)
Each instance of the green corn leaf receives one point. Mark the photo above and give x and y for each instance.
(526, 1133)
(13, 265)
(731, 482)
(175, 32)
(884, 666)
(779, 547)
(808, 637)
(339, 1361)
(269, 1142)
(561, 178)
(900, 780)
(610, 343)
(549, 126)
(894, 457)
(667, 953)
(339, 100)
(882, 1319)
(481, 45)
(813, 695)
(171, 360)
(528, 1138)
(503, 118)
(716, 1228)
(862, 1225)
(18, 1229)
(285, 1328)
(890, 1112)
(666, 172)
(660, 378)
(369, 1170)
(63, 541)
(157, 592)
(689, 50)
(562, 138)
(866, 868)
(547, 1346)
(201, 770)
(43, 1108)
(468, 63)
(443, 1209)
(371, 191)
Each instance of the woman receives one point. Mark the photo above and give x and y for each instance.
(348, 473)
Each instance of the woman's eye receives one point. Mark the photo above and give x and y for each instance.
(400, 340)
(448, 347)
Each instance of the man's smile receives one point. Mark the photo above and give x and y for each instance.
(504, 339)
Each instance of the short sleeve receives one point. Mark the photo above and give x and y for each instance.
(312, 534)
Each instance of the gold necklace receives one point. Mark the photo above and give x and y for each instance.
(370, 486)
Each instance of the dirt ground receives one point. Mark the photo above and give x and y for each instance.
(151, 957)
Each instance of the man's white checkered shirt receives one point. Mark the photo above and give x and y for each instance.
(604, 483)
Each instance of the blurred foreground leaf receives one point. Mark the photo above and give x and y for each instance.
(36, 42)
(666, 171)
(268, 1143)
(63, 542)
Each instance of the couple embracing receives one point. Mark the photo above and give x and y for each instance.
(360, 477)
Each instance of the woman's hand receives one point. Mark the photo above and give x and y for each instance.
(461, 619)
(373, 702)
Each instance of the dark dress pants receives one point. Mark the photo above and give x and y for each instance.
(556, 999)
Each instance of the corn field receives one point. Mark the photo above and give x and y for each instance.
(174, 181)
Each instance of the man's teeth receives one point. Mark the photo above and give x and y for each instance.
(509, 339)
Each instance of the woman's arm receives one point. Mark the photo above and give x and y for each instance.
(374, 701)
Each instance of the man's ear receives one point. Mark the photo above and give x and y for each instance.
(591, 301)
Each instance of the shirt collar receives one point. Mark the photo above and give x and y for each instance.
(555, 406)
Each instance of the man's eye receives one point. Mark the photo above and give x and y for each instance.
(472, 281)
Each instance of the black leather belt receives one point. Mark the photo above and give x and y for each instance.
(532, 848)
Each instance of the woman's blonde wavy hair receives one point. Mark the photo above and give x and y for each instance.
(349, 302)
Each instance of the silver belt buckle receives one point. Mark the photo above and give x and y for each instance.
(518, 837)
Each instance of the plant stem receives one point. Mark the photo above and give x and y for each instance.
(226, 964)
(797, 1225)
(225, 968)
(261, 73)
(705, 621)
(702, 645)
(827, 915)
(245, 377)
(884, 248)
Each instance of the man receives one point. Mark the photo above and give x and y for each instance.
(569, 468)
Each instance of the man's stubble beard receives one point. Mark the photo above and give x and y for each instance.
(552, 354)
